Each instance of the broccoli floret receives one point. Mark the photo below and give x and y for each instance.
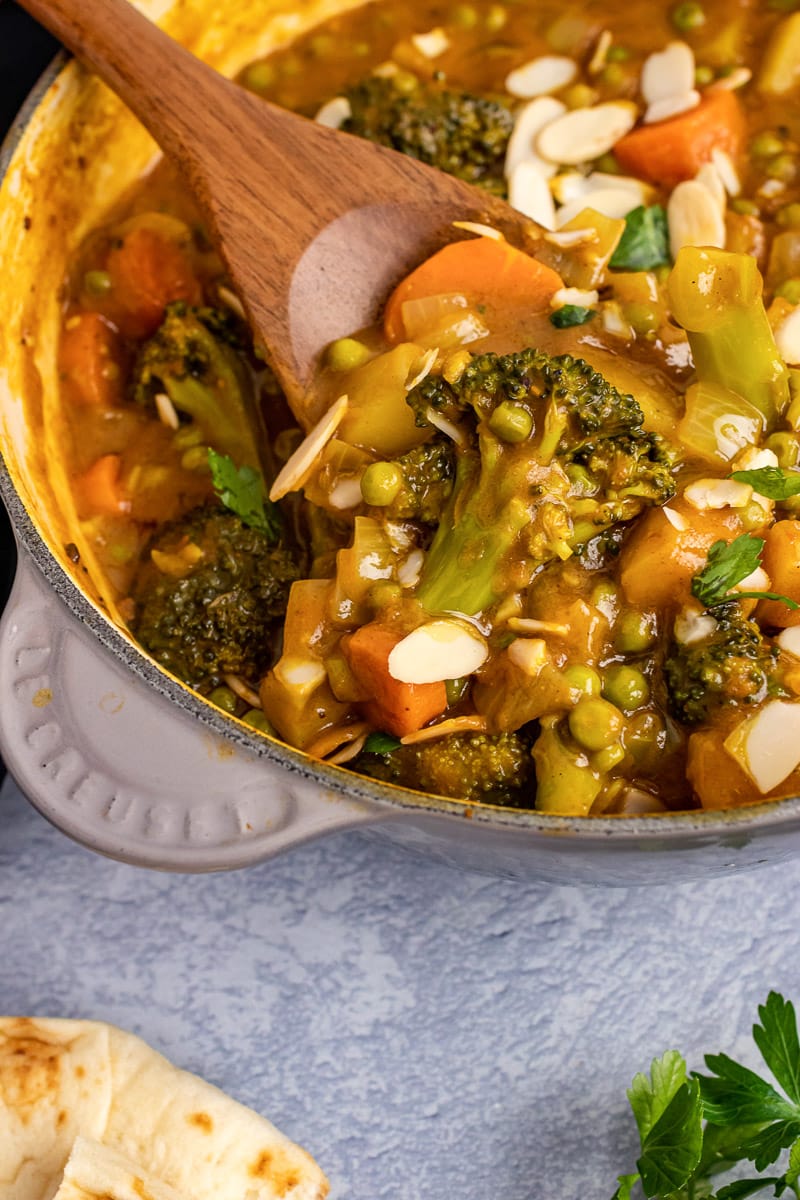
(493, 768)
(427, 474)
(516, 505)
(462, 134)
(734, 665)
(196, 358)
(208, 596)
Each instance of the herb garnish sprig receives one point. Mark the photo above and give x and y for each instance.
(728, 563)
(693, 1128)
(242, 491)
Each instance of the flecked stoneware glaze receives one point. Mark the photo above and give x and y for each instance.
(106, 744)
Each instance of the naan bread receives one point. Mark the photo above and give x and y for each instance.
(64, 1079)
(93, 1172)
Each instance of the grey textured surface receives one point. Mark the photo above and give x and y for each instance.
(427, 1034)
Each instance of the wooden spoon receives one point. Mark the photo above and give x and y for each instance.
(315, 226)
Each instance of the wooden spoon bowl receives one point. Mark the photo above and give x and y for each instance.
(315, 225)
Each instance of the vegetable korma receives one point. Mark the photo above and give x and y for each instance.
(534, 538)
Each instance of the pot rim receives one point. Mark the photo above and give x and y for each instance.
(665, 827)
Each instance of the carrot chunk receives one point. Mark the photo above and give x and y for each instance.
(148, 270)
(396, 707)
(669, 151)
(781, 560)
(486, 270)
(88, 361)
(99, 490)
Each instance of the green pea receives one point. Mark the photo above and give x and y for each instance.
(511, 422)
(613, 75)
(196, 459)
(580, 95)
(766, 144)
(605, 760)
(384, 593)
(786, 446)
(644, 737)
(380, 483)
(595, 724)
(224, 698)
(745, 208)
(186, 436)
(687, 16)
(607, 163)
(255, 718)
(789, 290)
(782, 166)
(635, 632)
(703, 76)
(97, 283)
(345, 354)
(496, 18)
(583, 679)
(643, 317)
(618, 54)
(465, 16)
(627, 687)
(324, 45)
(605, 597)
(259, 76)
(788, 217)
(753, 516)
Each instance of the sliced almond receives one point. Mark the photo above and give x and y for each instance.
(614, 322)
(533, 625)
(708, 494)
(469, 723)
(298, 466)
(787, 337)
(709, 176)
(586, 133)
(726, 170)
(752, 458)
(668, 72)
(600, 53)
(611, 202)
(431, 44)
(529, 654)
(243, 690)
(439, 650)
(479, 230)
(578, 296)
(767, 745)
(530, 121)
(789, 640)
(448, 428)
(676, 519)
(756, 581)
(694, 218)
(529, 194)
(600, 179)
(671, 106)
(422, 369)
(738, 77)
(410, 569)
(334, 113)
(167, 413)
(693, 624)
(541, 75)
(569, 185)
(569, 238)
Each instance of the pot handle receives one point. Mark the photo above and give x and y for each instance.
(122, 769)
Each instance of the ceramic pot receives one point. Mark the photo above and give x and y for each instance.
(105, 744)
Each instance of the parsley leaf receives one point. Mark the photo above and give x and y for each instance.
(672, 1148)
(793, 1173)
(742, 1188)
(241, 489)
(776, 1038)
(571, 314)
(764, 1147)
(729, 563)
(771, 482)
(649, 1097)
(735, 1095)
(381, 743)
(625, 1189)
(645, 241)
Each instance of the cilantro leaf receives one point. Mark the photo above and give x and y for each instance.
(777, 1039)
(381, 743)
(672, 1149)
(649, 1097)
(735, 1095)
(645, 241)
(728, 563)
(771, 482)
(571, 314)
(241, 489)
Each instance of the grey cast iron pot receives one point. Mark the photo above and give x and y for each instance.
(106, 745)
